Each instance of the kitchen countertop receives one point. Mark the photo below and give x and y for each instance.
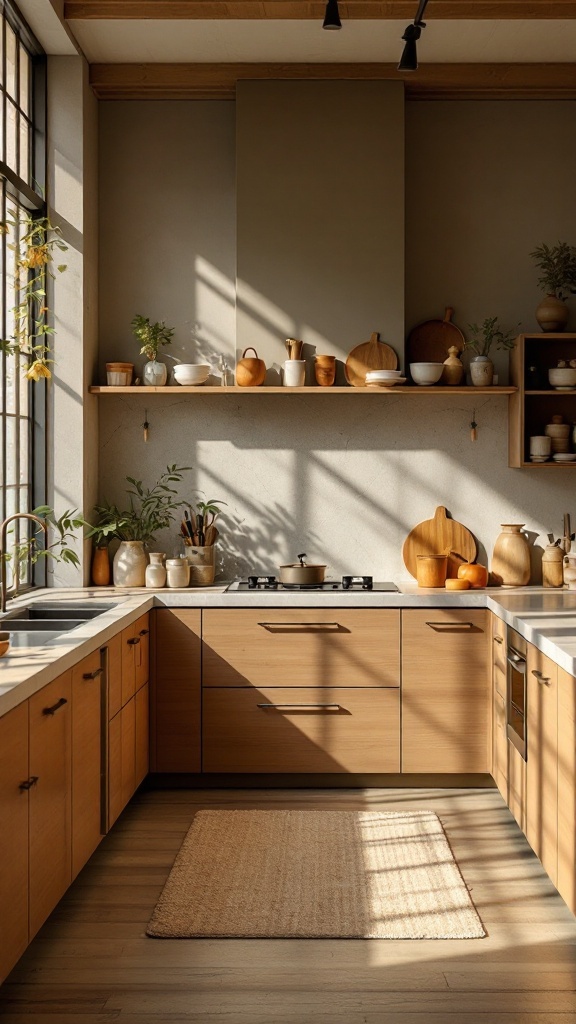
(546, 618)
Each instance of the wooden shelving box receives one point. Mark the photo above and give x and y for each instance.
(234, 390)
(531, 407)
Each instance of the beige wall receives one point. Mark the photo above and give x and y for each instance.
(343, 478)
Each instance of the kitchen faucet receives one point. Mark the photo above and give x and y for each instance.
(10, 519)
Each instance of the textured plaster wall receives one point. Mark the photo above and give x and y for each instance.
(343, 478)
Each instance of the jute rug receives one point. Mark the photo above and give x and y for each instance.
(315, 874)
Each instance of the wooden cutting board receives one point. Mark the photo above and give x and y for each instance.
(371, 355)
(429, 342)
(437, 536)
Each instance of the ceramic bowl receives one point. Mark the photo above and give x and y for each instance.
(426, 373)
(562, 377)
(191, 373)
(4, 643)
(557, 430)
(374, 375)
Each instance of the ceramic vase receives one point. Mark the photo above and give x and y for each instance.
(155, 576)
(101, 573)
(453, 371)
(130, 564)
(325, 370)
(511, 556)
(481, 371)
(552, 314)
(155, 374)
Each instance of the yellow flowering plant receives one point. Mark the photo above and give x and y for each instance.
(33, 260)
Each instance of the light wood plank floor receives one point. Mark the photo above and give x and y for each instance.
(92, 963)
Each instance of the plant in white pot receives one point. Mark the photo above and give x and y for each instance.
(149, 510)
(151, 338)
(557, 264)
(483, 336)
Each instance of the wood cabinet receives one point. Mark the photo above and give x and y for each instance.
(135, 657)
(176, 690)
(127, 671)
(50, 798)
(532, 405)
(517, 785)
(141, 734)
(15, 782)
(87, 685)
(301, 647)
(301, 729)
(566, 880)
(445, 690)
(542, 760)
(499, 732)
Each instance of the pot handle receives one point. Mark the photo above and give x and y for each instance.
(250, 349)
(301, 558)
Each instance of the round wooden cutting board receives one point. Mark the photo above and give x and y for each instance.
(371, 355)
(438, 536)
(429, 342)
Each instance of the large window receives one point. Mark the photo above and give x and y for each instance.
(22, 179)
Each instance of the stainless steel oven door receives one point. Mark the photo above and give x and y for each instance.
(516, 708)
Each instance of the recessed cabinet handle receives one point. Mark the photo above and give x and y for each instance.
(498, 639)
(268, 625)
(59, 704)
(29, 782)
(134, 640)
(94, 674)
(450, 625)
(545, 680)
(335, 707)
(143, 632)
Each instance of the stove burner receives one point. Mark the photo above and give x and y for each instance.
(365, 582)
(262, 582)
(272, 583)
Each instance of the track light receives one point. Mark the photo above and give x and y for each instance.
(332, 17)
(409, 58)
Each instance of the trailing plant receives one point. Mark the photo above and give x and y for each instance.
(60, 532)
(558, 266)
(151, 336)
(33, 259)
(488, 333)
(149, 510)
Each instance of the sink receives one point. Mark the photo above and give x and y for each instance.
(79, 612)
(35, 639)
(40, 623)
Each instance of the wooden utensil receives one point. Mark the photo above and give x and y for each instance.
(429, 342)
(371, 355)
(437, 536)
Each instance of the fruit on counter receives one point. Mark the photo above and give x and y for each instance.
(477, 575)
(458, 584)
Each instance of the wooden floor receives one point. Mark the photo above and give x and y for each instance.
(92, 963)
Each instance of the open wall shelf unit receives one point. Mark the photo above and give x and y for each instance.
(234, 390)
(531, 407)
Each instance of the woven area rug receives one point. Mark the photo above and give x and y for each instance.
(315, 874)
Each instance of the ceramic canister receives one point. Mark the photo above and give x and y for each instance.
(511, 556)
(177, 572)
(294, 373)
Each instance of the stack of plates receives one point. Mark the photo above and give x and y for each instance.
(564, 457)
(384, 378)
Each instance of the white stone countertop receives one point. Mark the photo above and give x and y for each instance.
(546, 618)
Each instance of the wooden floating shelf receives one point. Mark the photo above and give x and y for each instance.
(548, 465)
(179, 389)
(553, 391)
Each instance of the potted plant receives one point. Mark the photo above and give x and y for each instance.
(557, 264)
(151, 338)
(148, 511)
(483, 336)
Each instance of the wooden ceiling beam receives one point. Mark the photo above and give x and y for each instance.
(314, 9)
(431, 81)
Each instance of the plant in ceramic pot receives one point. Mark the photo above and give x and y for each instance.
(483, 336)
(149, 509)
(557, 280)
(151, 338)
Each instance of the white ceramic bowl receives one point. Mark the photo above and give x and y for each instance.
(382, 374)
(426, 373)
(191, 373)
(562, 377)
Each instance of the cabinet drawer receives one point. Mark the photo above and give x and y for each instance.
(135, 657)
(301, 647)
(301, 730)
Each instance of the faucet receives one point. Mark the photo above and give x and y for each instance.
(10, 519)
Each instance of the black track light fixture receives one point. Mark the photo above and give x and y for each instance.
(409, 58)
(332, 16)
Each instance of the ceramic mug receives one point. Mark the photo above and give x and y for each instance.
(325, 370)
(294, 373)
(540, 446)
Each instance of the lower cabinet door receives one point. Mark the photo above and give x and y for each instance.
(316, 729)
(500, 744)
(141, 702)
(14, 786)
(517, 785)
(567, 788)
(86, 759)
(121, 760)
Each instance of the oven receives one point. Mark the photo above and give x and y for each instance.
(516, 704)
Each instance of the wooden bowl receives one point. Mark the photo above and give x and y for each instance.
(4, 643)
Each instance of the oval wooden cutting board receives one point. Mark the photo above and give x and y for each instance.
(437, 536)
(429, 342)
(371, 355)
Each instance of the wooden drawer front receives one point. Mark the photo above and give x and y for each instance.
(87, 768)
(135, 657)
(446, 705)
(500, 745)
(301, 647)
(499, 654)
(114, 674)
(310, 730)
(567, 788)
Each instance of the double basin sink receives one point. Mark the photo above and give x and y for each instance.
(39, 623)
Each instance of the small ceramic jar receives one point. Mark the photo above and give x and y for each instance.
(156, 571)
(177, 572)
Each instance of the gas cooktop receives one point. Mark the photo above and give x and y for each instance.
(347, 583)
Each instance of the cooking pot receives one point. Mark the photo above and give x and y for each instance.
(302, 574)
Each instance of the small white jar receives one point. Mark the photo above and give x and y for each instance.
(156, 571)
(294, 373)
(177, 572)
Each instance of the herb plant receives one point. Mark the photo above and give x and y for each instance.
(488, 333)
(151, 336)
(558, 266)
(149, 509)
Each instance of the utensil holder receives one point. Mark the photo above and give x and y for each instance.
(202, 565)
(294, 373)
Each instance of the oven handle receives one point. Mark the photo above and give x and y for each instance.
(516, 660)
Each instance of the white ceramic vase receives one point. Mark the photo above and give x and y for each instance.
(155, 374)
(481, 371)
(156, 571)
(129, 569)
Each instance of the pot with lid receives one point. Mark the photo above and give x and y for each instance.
(301, 573)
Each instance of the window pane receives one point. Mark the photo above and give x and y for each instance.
(10, 61)
(24, 150)
(24, 97)
(2, 52)
(11, 398)
(11, 128)
(24, 469)
(10, 475)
